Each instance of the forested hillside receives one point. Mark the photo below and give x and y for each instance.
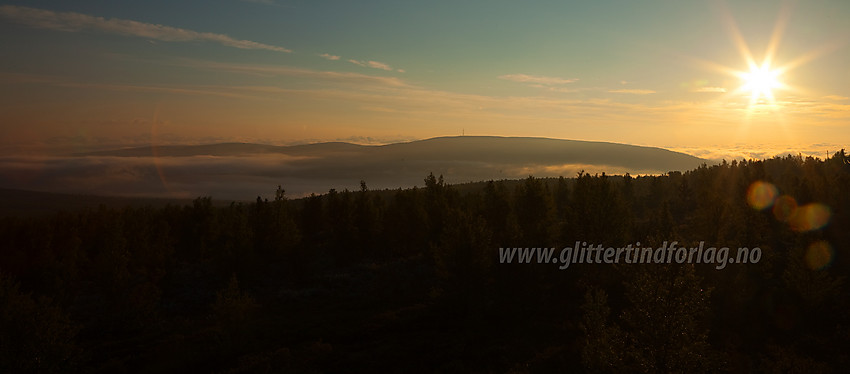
(410, 280)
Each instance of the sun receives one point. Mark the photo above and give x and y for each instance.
(760, 81)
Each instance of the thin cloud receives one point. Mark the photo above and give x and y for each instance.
(525, 78)
(75, 22)
(269, 70)
(710, 89)
(836, 97)
(633, 91)
(329, 56)
(557, 89)
(379, 65)
(372, 64)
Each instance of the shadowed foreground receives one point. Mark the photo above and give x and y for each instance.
(410, 280)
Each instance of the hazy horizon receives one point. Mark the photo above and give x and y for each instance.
(740, 80)
(745, 81)
(242, 171)
(714, 153)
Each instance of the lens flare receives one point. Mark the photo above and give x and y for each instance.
(819, 255)
(761, 195)
(810, 217)
(784, 208)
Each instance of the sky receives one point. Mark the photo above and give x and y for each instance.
(88, 75)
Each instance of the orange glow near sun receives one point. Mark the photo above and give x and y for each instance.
(761, 81)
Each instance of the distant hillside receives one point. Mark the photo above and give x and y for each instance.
(225, 149)
(489, 149)
(241, 171)
(542, 151)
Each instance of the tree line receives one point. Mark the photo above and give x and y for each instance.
(410, 278)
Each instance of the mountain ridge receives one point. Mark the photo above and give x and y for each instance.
(245, 148)
(236, 170)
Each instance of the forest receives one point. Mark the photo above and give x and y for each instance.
(409, 280)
